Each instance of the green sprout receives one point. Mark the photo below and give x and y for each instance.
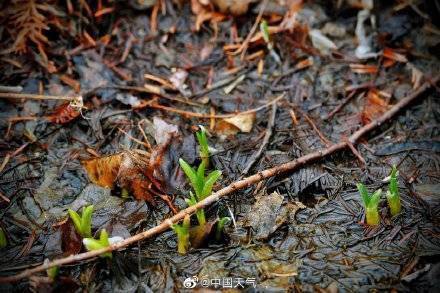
(371, 204)
(83, 224)
(203, 144)
(94, 244)
(182, 232)
(393, 196)
(52, 272)
(202, 185)
(222, 222)
(264, 28)
(3, 240)
(200, 213)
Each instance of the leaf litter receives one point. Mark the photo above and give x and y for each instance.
(300, 231)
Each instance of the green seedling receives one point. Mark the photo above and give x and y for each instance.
(203, 144)
(83, 224)
(264, 28)
(202, 185)
(200, 213)
(182, 232)
(52, 272)
(3, 240)
(95, 244)
(393, 196)
(371, 204)
(222, 222)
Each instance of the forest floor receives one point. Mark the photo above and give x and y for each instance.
(150, 78)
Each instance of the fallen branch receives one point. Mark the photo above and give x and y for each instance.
(211, 116)
(36, 97)
(235, 186)
(255, 156)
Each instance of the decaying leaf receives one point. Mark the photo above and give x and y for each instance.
(128, 170)
(271, 214)
(71, 241)
(374, 107)
(199, 234)
(232, 6)
(64, 114)
(103, 171)
(232, 125)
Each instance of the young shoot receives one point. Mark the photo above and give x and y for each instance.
(94, 244)
(371, 204)
(264, 29)
(52, 272)
(393, 196)
(3, 240)
(200, 214)
(202, 185)
(182, 232)
(203, 145)
(83, 224)
(222, 222)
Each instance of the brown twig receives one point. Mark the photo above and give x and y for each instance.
(356, 153)
(36, 97)
(233, 187)
(321, 136)
(341, 105)
(244, 46)
(210, 116)
(255, 156)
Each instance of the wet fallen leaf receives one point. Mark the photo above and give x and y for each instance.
(393, 55)
(232, 6)
(364, 68)
(374, 107)
(199, 234)
(103, 171)
(242, 122)
(71, 241)
(271, 214)
(64, 114)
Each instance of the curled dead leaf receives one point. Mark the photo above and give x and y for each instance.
(235, 124)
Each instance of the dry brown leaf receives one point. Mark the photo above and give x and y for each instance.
(374, 107)
(235, 124)
(103, 171)
(232, 6)
(64, 114)
(244, 122)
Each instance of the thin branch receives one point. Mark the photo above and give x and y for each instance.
(36, 97)
(210, 116)
(255, 156)
(244, 46)
(234, 187)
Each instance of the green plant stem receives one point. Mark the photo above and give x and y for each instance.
(372, 215)
(200, 214)
(394, 203)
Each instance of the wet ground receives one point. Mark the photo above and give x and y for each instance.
(302, 231)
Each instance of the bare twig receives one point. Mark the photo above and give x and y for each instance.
(342, 104)
(36, 97)
(210, 116)
(233, 187)
(244, 46)
(356, 153)
(321, 136)
(255, 156)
